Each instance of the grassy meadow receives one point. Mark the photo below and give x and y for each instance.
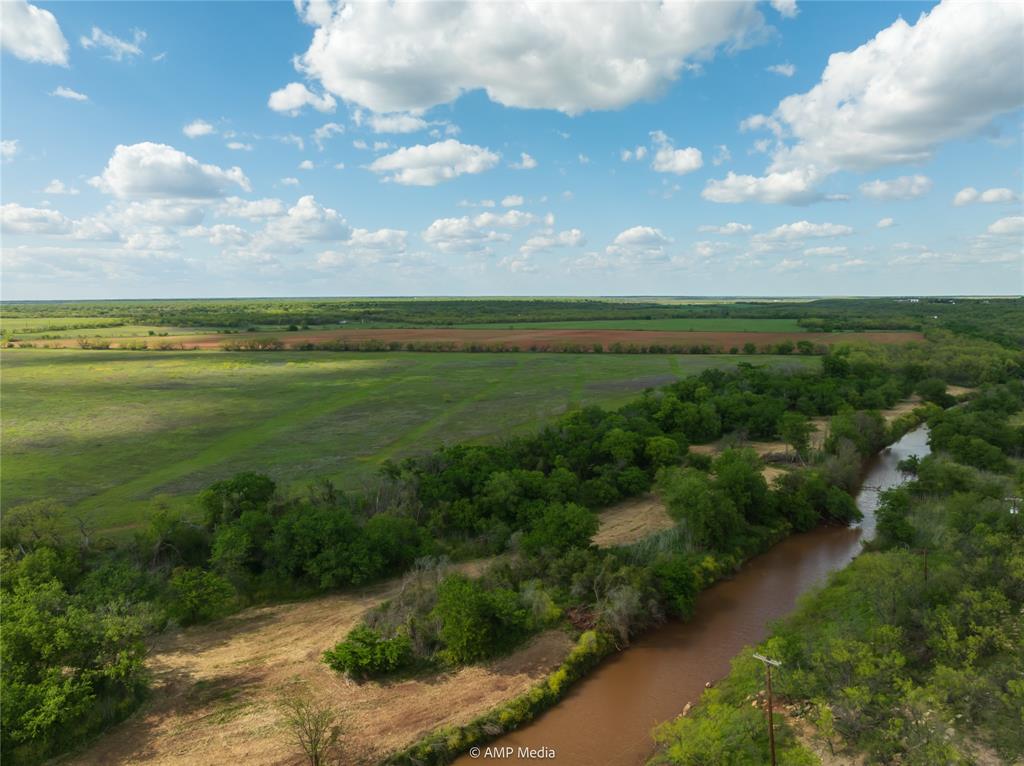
(105, 433)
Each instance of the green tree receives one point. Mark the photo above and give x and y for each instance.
(198, 595)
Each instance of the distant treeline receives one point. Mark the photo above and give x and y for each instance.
(999, 320)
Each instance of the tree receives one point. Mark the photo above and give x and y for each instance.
(562, 526)
(197, 595)
(795, 429)
(314, 728)
(662, 451)
(226, 500)
(709, 518)
(477, 623)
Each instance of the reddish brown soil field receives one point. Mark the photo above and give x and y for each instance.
(534, 339)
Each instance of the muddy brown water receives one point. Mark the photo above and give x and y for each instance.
(606, 720)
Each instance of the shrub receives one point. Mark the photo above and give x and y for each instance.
(197, 595)
(365, 653)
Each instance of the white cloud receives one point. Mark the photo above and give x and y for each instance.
(460, 235)
(512, 200)
(236, 207)
(293, 97)
(117, 49)
(800, 230)
(637, 153)
(158, 170)
(290, 181)
(510, 219)
(793, 187)
(786, 69)
(307, 220)
(31, 220)
(827, 250)
(360, 144)
(221, 234)
(668, 159)
(722, 155)
(325, 131)
(729, 228)
(785, 8)
(8, 148)
(73, 95)
(429, 165)
(550, 240)
(969, 194)
(294, 140)
(56, 186)
(306, 165)
(639, 243)
(32, 34)
(526, 162)
(238, 146)
(198, 128)
(405, 57)
(904, 187)
(897, 97)
(396, 123)
(885, 223)
(367, 247)
(1013, 224)
(379, 146)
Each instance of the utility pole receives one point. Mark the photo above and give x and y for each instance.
(768, 684)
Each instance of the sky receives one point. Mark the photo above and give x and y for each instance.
(200, 149)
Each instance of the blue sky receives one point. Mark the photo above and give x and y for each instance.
(243, 149)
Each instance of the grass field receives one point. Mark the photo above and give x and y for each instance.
(106, 432)
(724, 324)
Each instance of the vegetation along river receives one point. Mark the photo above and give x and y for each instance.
(607, 718)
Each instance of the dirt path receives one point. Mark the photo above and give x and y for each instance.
(632, 520)
(215, 686)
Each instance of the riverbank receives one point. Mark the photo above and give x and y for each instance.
(607, 717)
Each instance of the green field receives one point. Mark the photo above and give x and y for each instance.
(723, 324)
(106, 432)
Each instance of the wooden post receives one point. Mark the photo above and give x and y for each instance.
(768, 685)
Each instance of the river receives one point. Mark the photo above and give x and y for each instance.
(606, 720)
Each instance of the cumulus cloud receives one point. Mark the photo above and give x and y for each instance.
(904, 187)
(633, 154)
(17, 219)
(117, 49)
(826, 250)
(1010, 225)
(398, 122)
(56, 186)
(306, 165)
(8, 148)
(236, 207)
(429, 165)
(460, 235)
(801, 230)
(793, 187)
(640, 243)
(969, 194)
(526, 162)
(158, 170)
(894, 99)
(785, 8)
(293, 97)
(668, 159)
(307, 220)
(367, 246)
(72, 95)
(198, 128)
(551, 240)
(238, 146)
(729, 228)
(32, 34)
(786, 69)
(512, 200)
(885, 223)
(407, 57)
(325, 131)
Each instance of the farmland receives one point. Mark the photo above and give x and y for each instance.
(106, 432)
(682, 324)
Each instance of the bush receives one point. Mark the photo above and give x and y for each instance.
(477, 623)
(562, 526)
(365, 653)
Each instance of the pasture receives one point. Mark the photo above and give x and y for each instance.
(105, 433)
